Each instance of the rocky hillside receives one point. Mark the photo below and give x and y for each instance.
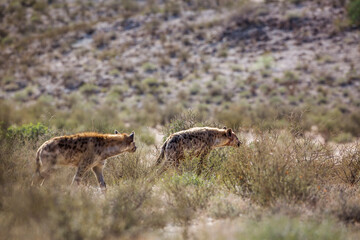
(221, 60)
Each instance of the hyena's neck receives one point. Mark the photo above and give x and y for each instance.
(219, 141)
(112, 150)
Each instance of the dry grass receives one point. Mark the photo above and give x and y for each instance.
(281, 184)
(279, 177)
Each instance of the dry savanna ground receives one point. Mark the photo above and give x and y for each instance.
(284, 75)
(278, 185)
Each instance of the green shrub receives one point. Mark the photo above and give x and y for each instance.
(89, 89)
(172, 9)
(149, 67)
(128, 213)
(40, 6)
(195, 89)
(289, 78)
(223, 208)
(353, 9)
(24, 94)
(151, 82)
(265, 61)
(7, 40)
(187, 193)
(343, 138)
(189, 179)
(27, 131)
(211, 168)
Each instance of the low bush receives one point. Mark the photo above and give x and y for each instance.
(186, 195)
(348, 167)
(347, 208)
(277, 166)
(128, 167)
(61, 213)
(221, 208)
(89, 89)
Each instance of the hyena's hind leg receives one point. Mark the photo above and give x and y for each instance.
(168, 161)
(45, 165)
(98, 171)
(174, 158)
(81, 170)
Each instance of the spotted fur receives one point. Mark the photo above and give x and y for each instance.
(196, 142)
(85, 151)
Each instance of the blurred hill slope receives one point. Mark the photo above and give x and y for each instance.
(203, 55)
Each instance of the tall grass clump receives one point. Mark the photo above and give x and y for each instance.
(348, 165)
(277, 166)
(129, 167)
(346, 205)
(65, 213)
(187, 194)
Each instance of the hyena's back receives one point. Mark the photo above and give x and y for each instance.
(68, 150)
(84, 151)
(196, 142)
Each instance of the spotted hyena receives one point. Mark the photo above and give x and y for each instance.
(84, 151)
(196, 142)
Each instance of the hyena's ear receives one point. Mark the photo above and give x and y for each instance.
(131, 136)
(116, 131)
(229, 132)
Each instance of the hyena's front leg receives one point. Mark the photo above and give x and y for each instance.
(98, 171)
(82, 168)
(202, 158)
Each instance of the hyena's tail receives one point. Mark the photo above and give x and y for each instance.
(162, 154)
(37, 178)
(38, 163)
(158, 171)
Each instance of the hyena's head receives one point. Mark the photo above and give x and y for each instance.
(129, 141)
(232, 139)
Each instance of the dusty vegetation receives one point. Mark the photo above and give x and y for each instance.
(275, 180)
(283, 75)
